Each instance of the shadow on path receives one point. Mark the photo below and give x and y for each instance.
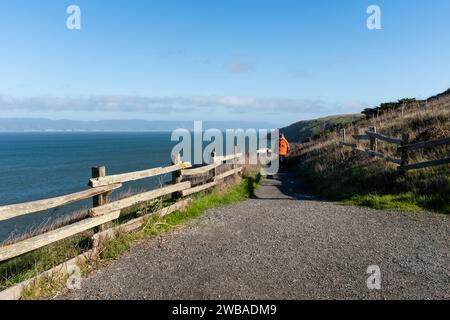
(283, 186)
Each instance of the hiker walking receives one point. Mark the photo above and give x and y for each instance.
(284, 149)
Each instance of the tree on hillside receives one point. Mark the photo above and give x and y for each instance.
(390, 106)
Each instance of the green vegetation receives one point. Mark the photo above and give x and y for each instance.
(339, 174)
(45, 286)
(29, 265)
(392, 106)
(158, 225)
(373, 183)
(403, 202)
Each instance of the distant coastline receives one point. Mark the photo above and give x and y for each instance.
(86, 131)
(36, 125)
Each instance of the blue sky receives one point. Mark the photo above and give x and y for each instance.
(275, 61)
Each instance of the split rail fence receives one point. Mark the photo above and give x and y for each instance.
(404, 148)
(103, 213)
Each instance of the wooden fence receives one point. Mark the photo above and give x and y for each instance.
(404, 147)
(103, 213)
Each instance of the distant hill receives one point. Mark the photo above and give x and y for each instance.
(46, 125)
(310, 129)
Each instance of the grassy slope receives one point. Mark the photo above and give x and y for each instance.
(337, 174)
(308, 129)
(29, 265)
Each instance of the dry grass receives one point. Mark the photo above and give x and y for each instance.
(75, 216)
(47, 226)
(155, 225)
(45, 287)
(339, 174)
(31, 264)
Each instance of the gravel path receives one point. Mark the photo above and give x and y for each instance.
(284, 244)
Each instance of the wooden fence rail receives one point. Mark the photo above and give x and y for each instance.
(427, 164)
(16, 210)
(102, 214)
(426, 144)
(375, 135)
(138, 199)
(379, 155)
(31, 244)
(133, 176)
(403, 150)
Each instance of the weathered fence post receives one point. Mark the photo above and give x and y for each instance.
(213, 160)
(344, 137)
(176, 176)
(101, 199)
(357, 140)
(404, 153)
(373, 141)
(235, 161)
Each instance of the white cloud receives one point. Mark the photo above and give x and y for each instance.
(167, 105)
(239, 67)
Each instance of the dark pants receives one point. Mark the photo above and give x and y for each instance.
(282, 161)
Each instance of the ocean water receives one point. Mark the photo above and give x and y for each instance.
(36, 166)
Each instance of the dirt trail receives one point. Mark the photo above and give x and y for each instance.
(284, 244)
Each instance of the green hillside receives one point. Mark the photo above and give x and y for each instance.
(338, 173)
(304, 131)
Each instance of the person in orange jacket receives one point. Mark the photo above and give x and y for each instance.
(284, 148)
